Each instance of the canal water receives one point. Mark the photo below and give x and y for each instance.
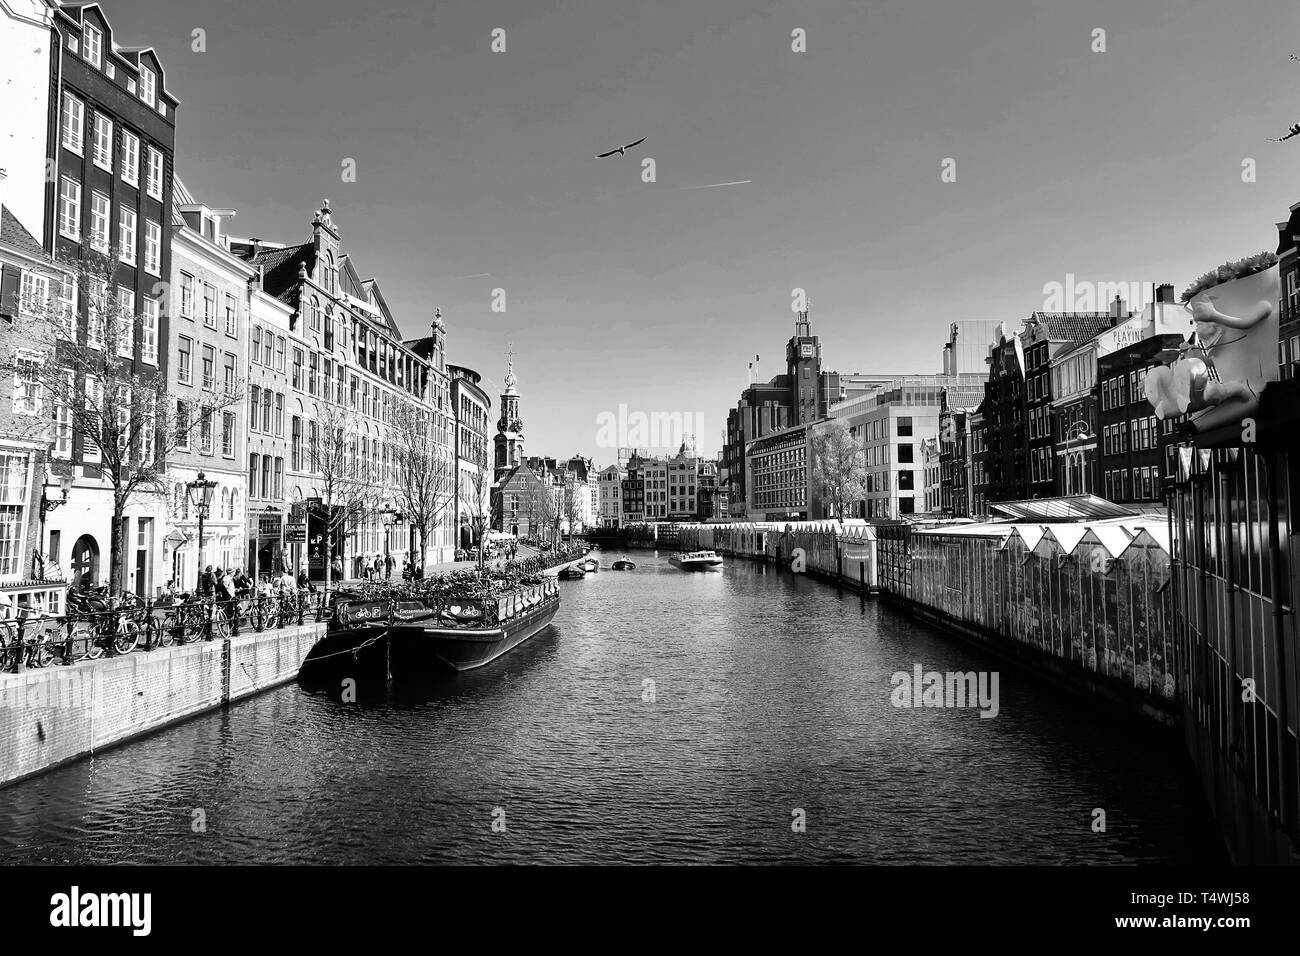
(665, 717)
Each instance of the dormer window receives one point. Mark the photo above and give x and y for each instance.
(92, 45)
(148, 85)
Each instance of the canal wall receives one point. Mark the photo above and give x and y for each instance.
(54, 715)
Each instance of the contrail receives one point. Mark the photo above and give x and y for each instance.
(738, 182)
(477, 275)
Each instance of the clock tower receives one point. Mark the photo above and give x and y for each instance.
(509, 439)
(803, 363)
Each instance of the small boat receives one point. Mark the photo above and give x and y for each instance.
(697, 561)
(590, 565)
(573, 572)
(623, 564)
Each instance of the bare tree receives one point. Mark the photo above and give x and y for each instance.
(839, 466)
(349, 484)
(541, 506)
(100, 383)
(475, 499)
(424, 473)
(571, 501)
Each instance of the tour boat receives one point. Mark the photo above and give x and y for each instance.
(623, 564)
(465, 633)
(697, 561)
(573, 572)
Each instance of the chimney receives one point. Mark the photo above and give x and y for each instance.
(1165, 293)
(3, 176)
(1117, 310)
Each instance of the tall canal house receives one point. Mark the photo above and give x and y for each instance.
(209, 292)
(110, 141)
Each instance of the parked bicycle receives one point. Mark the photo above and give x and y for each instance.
(30, 638)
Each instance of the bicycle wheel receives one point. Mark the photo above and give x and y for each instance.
(85, 642)
(8, 647)
(127, 636)
(163, 629)
(256, 614)
(191, 624)
(41, 652)
(220, 624)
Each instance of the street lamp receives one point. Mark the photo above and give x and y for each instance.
(200, 493)
(48, 504)
(391, 517)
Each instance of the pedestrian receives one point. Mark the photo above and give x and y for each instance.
(388, 565)
(207, 581)
(337, 567)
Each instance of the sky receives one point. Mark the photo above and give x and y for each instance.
(475, 170)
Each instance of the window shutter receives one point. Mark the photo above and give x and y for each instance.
(10, 284)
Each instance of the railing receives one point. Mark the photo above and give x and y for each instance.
(40, 640)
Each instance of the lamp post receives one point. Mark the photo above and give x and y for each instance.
(200, 494)
(48, 504)
(391, 517)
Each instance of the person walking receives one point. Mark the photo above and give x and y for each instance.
(388, 565)
(207, 581)
(337, 567)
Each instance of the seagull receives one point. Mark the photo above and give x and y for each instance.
(622, 150)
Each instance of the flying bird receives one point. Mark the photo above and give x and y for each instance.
(1292, 134)
(622, 150)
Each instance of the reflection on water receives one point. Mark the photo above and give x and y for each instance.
(664, 717)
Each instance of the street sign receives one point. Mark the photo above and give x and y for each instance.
(295, 533)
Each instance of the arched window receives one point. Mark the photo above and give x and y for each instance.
(225, 505)
(234, 504)
(314, 317)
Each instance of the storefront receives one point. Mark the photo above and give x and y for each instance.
(266, 557)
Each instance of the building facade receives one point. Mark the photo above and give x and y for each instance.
(474, 476)
(208, 341)
(110, 149)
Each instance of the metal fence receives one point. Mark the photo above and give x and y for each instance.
(39, 640)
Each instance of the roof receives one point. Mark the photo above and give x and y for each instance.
(280, 268)
(13, 233)
(1072, 326)
(1070, 508)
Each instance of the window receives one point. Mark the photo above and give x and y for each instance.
(313, 317)
(73, 123)
(252, 476)
(27, 382)
(92, 45)
(279, 478)
(124, 322)
(152, 248)
(228, 434)
(904, 426)
(279, 353)
(266, 410)
(155, 184)
(130, 159)
(102, 149)
(228, 381)
(149, 331)
(906, 480)
(209, 368)
(312, 373)
(209, 306)
(14, 477)
(148, 86)
(185, 361)
(70, 208)
(254, 403)
(205, 432)
(279, 415)
(297, 369)
(295, 450)
(183, 425)
(90, 439)
(905, 454)
(96, 313)
(267, 357)
(187, 295)
(34, 292)
(232, 316)
(126, 234)
(266, 476)
(255, 354)
(99, 215)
